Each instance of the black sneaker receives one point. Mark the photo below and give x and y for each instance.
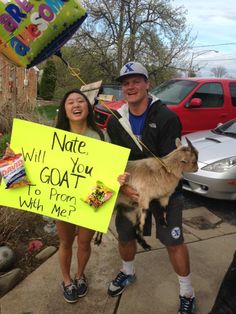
(82, 286)
(187, 305)
(118, 285)
(70, 293)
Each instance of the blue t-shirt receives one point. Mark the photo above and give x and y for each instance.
(137, 122)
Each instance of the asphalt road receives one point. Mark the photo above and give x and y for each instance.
(226, 210)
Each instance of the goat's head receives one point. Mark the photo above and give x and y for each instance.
(189, 156)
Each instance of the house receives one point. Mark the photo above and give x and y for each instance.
(18, 90)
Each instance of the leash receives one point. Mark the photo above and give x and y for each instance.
(134, 137)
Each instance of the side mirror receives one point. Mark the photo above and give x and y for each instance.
(195, 102)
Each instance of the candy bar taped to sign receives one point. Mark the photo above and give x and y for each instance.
(99, 195)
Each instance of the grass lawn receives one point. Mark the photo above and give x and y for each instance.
(48, 111)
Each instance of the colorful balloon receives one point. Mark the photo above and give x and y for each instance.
(31, 31)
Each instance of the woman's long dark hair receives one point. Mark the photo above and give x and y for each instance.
(63, 121)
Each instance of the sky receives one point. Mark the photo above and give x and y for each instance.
(214, 24)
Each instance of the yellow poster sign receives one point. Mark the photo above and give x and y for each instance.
(63, 169)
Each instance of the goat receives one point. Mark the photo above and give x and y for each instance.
(154, 181)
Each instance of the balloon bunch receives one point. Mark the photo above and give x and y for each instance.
(31, 31)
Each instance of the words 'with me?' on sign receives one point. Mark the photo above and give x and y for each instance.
(63, 168)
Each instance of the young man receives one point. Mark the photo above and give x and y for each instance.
(157, 127)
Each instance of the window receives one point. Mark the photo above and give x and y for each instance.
(232, 87)
(174, 91)
(211, 95)
(114, 90)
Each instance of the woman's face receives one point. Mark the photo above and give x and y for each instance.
(76, 107)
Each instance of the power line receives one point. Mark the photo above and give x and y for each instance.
(203, 46)
(215, 60)
(226, 44)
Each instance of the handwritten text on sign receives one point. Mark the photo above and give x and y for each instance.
(63, 167)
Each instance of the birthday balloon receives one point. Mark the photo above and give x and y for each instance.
(31, 31)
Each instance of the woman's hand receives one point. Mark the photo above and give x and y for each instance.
(8, 152)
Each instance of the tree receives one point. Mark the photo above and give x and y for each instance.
(48, 81)
(116, 31)
(192, 73)
(219, 71)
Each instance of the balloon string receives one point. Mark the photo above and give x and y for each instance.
(74, 73)
(70, 69)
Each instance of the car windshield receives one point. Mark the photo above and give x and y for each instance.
(174, 91)
(114, 90)
(228, 128)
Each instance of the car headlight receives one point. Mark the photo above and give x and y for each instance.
(221, 165)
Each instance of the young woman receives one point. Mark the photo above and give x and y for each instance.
(76, 115)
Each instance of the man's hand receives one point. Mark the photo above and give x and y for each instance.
(127, 189)
(130, 192)
(123, 178)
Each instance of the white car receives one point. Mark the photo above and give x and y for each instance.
(216, 177)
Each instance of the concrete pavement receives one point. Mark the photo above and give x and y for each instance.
(211, 245)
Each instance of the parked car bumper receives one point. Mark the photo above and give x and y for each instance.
(210, 184)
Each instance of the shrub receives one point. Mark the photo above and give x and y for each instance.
(48, 82)
(10, 220)
(4, 139)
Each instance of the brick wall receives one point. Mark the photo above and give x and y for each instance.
(18, 86)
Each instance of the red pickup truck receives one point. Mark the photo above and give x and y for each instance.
(200, 103)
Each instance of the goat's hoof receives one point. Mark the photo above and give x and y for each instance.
(147, 247)
(97, 242)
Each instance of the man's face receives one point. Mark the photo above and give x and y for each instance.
(135, 89)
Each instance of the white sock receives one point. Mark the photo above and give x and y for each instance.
(128, 267)
(186, 289)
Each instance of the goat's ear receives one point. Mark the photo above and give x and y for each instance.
(178, 142)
